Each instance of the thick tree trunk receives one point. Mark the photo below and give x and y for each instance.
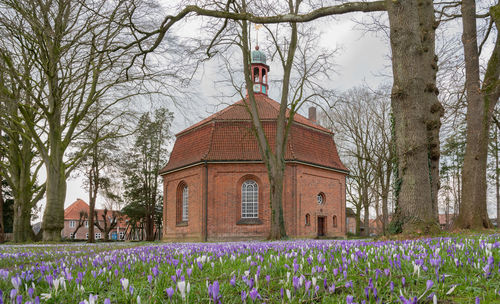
(2, 229)
(92, 219)
(414, 69)
(277, 221)
(22, 217)
(366, 220)
(358, 221)
(53, 216)
(497, 177)
(480, 104)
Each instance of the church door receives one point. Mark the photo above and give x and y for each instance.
(321, 225)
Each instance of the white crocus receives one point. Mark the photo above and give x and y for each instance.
(124, 282)
(181, 285)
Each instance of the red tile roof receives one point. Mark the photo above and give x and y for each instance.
(227, 136)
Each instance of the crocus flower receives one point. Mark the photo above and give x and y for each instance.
(254, 294)
(16, 282)
(232, 281)
(215, 291)
(349, 299)
(170, 292)
(429, 284)
(181, 285)
(124, 283)
(243, 296)
(107, 301)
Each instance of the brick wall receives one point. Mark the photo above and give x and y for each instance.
(192, 230)
(301, 187)
(310, 182)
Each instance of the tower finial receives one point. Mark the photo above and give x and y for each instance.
(257, 27)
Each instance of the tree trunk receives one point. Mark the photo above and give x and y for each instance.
(22, 217)
(497, 177)
(53, 216)
(480, 104)
(414, 69)
(277, 221)
(2, 229)
(358, 221)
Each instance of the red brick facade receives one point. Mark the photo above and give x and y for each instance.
(72, 216)
(216, 156)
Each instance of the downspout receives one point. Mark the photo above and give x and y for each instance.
(205, 237)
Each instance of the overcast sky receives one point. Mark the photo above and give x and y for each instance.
(361, 58)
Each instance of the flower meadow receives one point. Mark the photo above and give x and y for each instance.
(435, 270)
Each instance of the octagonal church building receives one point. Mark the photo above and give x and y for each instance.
(216, 185)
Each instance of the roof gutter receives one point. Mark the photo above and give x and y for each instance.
(292, 161)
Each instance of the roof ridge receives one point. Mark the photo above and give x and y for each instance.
(210, 143)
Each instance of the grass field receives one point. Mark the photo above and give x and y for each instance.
(434, 270)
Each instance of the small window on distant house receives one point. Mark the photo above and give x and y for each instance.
(71, 224)
(320, 198)
(97, 236)
(86, 236)
(86, 224)
(122, 234)
(308, 219)
(182, 203)
(334, 221)
(71, 235)
(250, 199)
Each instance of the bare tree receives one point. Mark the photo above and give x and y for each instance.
(20, 162)
(74, 67)
(109, 222)
(82, 218)
(481, 101)
(361, 123)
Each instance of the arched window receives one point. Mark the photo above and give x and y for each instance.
(182, 202)
(185, 201)
(250, 199)
(334, 221)
(308, 219)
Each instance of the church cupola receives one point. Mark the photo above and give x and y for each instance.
(259, 72)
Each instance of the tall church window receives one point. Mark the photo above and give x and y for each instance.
(250, 199)
(334, 221)
(182, 203)
(185, 202)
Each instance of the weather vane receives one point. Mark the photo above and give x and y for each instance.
(257, 27)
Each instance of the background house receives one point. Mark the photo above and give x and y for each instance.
(72, 218)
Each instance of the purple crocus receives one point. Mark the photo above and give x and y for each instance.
(215, 291)
(429, 284)
(170, 292)
(107, 301)
(243, 296)
(349, 299)
(233, 281)
(254, 294)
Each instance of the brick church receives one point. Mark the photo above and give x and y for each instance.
(216, 185)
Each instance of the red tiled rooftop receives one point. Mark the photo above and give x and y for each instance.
(227, 136)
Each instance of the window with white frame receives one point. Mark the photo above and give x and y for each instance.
(86, 224)
(185, 203)
(97, 236)
(71, 224)
(71, 235)
(86, 236)
(122, 235)
(250, 199)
